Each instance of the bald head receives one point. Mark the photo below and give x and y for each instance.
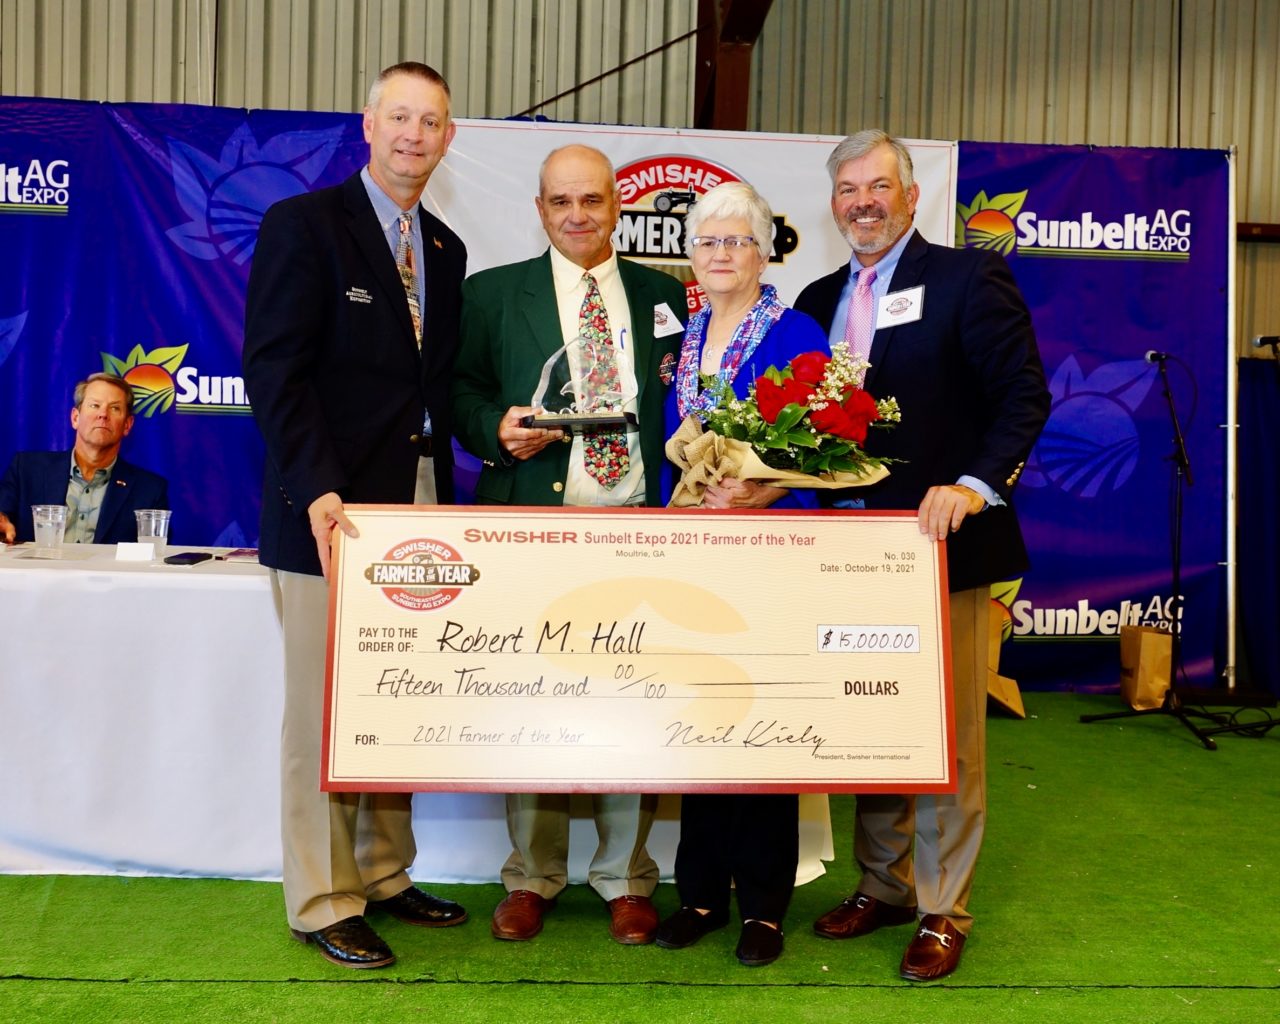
(578, 203)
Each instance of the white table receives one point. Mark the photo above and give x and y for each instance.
(140, 710)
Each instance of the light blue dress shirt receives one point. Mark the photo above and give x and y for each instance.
(388, 211)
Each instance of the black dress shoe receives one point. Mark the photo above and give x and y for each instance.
(413, 906)
(686, 926)
(349, 943)
(759, 944)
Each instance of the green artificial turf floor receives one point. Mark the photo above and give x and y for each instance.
(1128, 875)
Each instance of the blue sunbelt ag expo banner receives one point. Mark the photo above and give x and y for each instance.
(1120, 253)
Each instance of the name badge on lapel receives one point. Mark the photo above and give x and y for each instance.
(904, 307)
(665, 322)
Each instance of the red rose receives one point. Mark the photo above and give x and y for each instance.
(850, 419)
(772, 398)
(831, 419)
(810, 366)
(861, 409)
(797, 391)
(769, 399)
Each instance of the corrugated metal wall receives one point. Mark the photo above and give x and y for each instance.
(142, 50)
(501, 56)
(1108, 72)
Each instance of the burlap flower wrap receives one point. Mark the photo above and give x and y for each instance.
(705, 458)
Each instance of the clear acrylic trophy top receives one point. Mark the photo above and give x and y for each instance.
(580, 387)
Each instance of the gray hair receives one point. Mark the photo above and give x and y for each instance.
(408, 67)
(858, 145)
(733, 199)
(77, 397)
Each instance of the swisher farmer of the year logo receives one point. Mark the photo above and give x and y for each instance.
(421, 575)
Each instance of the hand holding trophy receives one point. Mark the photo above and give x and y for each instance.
(583, 373)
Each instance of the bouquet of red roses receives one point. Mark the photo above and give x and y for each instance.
(802, 426)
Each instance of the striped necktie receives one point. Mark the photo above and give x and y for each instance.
(408, 267)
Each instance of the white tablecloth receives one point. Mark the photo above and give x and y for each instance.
(139, 732)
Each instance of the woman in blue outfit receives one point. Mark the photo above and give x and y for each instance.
(750, 840)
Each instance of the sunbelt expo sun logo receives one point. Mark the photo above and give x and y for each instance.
(1003, 223)
(160, 382)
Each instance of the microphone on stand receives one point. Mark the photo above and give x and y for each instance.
(1153, 356)
(1263, 340)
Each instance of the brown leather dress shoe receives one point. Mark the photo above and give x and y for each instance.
(861, 914)
(632, 920)
(519, 916)
(349, 943)
(413, 906)
(935, 950)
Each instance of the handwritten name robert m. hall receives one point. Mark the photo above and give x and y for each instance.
(608, 638)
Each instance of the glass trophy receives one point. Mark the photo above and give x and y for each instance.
(580, 387)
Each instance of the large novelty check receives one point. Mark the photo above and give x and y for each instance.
(583, 649)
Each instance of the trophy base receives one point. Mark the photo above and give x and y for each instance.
(570, 422)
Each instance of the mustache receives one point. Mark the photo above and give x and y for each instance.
(863, 211)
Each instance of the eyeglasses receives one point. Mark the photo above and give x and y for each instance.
(709, 243)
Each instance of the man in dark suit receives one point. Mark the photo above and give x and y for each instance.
(961, 359)
(514, 318)
(100, 489)
(351, 325)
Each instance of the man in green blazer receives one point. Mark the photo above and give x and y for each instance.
(513, 319)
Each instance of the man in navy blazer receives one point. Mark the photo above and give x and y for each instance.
(351, 322)
(961, 359)
(100, 489)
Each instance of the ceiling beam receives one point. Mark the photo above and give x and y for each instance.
(728, 30)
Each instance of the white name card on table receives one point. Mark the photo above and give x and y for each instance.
(637, 650)
(135, 551)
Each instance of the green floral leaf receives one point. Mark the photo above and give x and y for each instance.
(170, 357)
(801, 438)
(790, 415)
(1008, 202)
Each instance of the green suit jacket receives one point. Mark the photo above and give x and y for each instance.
(510, 326)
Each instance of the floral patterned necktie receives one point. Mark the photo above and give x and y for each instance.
(407, 266)
(604, 449)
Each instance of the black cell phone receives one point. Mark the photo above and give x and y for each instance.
(187, 557)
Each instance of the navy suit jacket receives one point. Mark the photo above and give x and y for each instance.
(968, 379)
(331, 366)
(40, 478)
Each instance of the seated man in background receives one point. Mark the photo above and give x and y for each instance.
(101, 490)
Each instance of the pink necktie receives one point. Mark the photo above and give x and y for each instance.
(860, 323)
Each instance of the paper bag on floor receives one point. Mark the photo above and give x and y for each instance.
(1146, 654)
